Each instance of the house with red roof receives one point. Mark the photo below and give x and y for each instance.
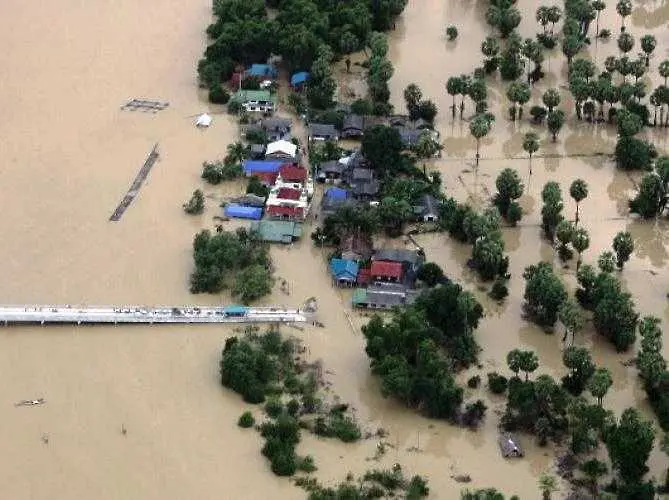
(286, 193)
(292, 173)
(285, 212)
(386, 271)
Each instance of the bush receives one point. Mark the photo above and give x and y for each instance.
(538, 114)
(548, 40)
(293, 407)
(604, 34)
(499, 290)
(246, 420)
(273, 408)
(632, 153)
(218, 95)
(452, 32)
(306, 464)
(255, 186)
(514, 213)
(497, 383)
(195, 205)
(256, 136)
(417, 488)
(361, 107)
(338, 425)
(474, 382)
(284, 463)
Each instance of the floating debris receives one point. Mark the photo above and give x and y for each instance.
(31, 402)
(144, 105)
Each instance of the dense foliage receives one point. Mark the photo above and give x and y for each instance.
(416, 352)
(544, 293)
(220, 258)
(653, 369)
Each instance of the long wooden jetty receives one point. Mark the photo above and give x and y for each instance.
(69, 314)
(136, 185)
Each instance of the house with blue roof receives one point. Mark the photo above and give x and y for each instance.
(298, 80)
(262, 71)
(253, 167)
(344, 272)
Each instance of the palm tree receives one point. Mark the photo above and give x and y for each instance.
(578, 191)
(648, 44)
(543, 16)
(554, 16)
(624, 9)
(625, 42)
(454, 86)
(594, 469)
(555, 120)
(551, 99)
(664, 70)
(599, 6)
(531, 145)
(236, 153)
(479, 128)
(547, 484)
(581, 242)
(611, 64)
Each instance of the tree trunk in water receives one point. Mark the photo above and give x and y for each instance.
(576, 222)
(477, 152)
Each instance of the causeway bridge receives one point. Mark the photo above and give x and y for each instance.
(78, 315)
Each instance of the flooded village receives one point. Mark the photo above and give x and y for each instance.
(133, 411)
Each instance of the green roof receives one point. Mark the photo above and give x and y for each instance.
(277, 230)
(359, 296)
(252, 95)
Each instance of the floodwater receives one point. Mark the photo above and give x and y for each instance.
(68, 157)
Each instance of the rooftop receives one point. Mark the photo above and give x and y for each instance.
(386, 269)
(278, 231)
(397, 255)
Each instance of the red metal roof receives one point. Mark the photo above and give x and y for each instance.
(386, 269)
(288, 193)
(288, 212)
(267, 178)
(364, 276)
(291, 173)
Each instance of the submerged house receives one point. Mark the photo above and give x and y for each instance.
(323, 132)
(276, 128)
(343, 271)
(299, 80)
(427, 208)
(330, 171)
(386, 271)
(277, 231)
(509, 446)
(281, 150)
(242, 211)
(353, 127)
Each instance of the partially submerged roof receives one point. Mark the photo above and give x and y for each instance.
(335, 193)
(322, 130)
(243, 212)
(332, 167)
(251, 167)
(509, 446)
(278, 231)
(355, 122)
(281, 147)
(397, 255)
(344, 269)
(252, 95)
(386, 269)
(299, 78)
(293, 173)
(262, 70)
(276, 124)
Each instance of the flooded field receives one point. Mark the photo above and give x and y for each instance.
(69, 155)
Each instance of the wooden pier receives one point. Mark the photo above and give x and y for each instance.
(136, 185)
(78, 315)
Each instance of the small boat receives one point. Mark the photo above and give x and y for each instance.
(31, 402)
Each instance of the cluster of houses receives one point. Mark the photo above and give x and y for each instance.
(384, 280)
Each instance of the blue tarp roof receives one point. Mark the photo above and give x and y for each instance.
(261, 167)
(299, 78)
(342, 268)
(262, 70)
(336, 193)
(242, 212)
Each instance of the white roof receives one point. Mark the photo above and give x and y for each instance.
(204, 120)
(281, 146)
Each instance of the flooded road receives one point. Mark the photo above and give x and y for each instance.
(69, 155)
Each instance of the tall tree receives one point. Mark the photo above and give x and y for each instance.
(555, 120)
(571, 316)
(454, 86)
(531, 145)
(509, 188)
(663, 69)
(599, 384)
(593, 470)
(629, 444)
(624, 9)
(551, 99)
(581, 242)
(579, 192)
(606, 262)
(412, 98)
(648, 44)
(625, 42)
(599, 6)
(623, 245)
(479, 128)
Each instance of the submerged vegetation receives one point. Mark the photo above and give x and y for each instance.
(268, 368)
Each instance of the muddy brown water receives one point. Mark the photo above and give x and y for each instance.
(69, 155)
